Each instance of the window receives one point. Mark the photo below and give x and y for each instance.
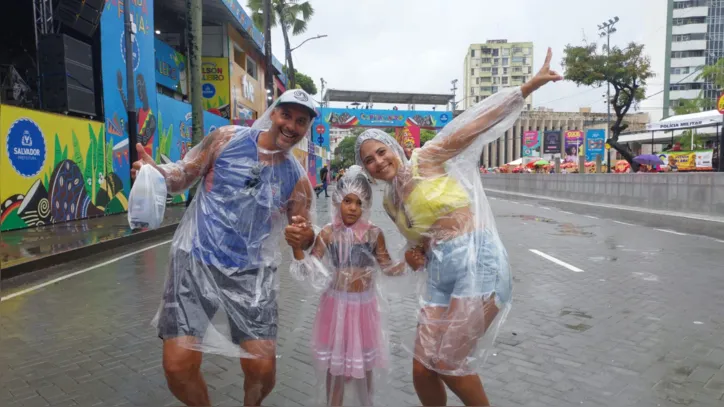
(477, 99)
(505, 61)
(251, 67)
(506, 52)
(472, 72)
(496, 51)
(486, 51)
(689, 20)
(687, 54)
(505, 71)
(496, 80)
(239, 57)
(686, 86)
(530, 69)
(486, 60)
(517, 50)
(689, 37)
(485, 69)
(472, 52)
(682, 71)
(690, 3)
(496, 61)
(517, 69)
(505, 79)
(495, 71)
(518, 60)
(494, 89)
(526, 51)
(477, 81)
(485, 79)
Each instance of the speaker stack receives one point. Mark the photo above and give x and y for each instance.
(81, 15)
(66, 67)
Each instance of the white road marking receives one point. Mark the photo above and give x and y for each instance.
(558, 262)
(85, 270)
(720, 241)
(590, 217)
(698, 323)
(513, 202)
(545, 207)
(528, 205)
(623, 223)
(567, 213)
(673, 232)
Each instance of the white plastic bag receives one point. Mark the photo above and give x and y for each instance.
(147, 201)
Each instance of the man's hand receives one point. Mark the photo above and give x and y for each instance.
(299, 234)
(415, 257)
(144, 158)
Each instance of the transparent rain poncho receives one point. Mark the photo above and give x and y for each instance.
(221, 290)
(437, 202)
(350, 340)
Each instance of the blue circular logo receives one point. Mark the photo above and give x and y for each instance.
(443, 118)
(320, 140)
(134, 49)
(26, 147)
(208, 90)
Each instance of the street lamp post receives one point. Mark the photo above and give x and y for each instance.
(605, 30)
(308, 39)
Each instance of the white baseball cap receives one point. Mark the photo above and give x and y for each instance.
(298, 97)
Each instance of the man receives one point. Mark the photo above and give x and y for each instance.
(323, 176)
(225, 251)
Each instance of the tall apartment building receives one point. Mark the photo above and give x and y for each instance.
(495, 65)
(694, 38)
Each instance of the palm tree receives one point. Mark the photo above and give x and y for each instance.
(292, 14)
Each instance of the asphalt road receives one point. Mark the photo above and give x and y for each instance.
(605, 313)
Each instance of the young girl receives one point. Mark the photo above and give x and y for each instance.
(349, 343)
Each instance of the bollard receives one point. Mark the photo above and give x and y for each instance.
(558, 165)
(598, 164)
(581, 164)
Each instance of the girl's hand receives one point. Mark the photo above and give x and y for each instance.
(545, 75)
(415, 257)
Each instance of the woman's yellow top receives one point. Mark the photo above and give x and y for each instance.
(432, 198)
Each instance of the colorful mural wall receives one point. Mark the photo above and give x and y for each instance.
(56, 168)
(113, 59)
(171, 68)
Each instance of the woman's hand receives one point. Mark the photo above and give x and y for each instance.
(545, 75)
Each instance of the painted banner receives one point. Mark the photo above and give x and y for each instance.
(345, 118)
(113, 61)
(311, 164)
(689, 160)
(595, 144)
(247, 95)
(531, 141)
(171, 68)
(408, 137)
(552, 142)
(215, 86)
(573, 143)
(174, 124)
(55, 168)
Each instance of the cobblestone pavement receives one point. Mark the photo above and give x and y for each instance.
(641, 324)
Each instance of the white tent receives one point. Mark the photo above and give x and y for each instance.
(711, 118)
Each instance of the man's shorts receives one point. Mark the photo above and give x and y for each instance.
(195, 292)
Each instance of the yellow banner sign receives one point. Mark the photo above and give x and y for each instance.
(215, 86)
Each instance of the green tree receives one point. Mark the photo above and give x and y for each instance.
(426, 135)
(688, 106)
(303, 81)
(626, 69)
(714, 73)
(344, 153)
(289, 14)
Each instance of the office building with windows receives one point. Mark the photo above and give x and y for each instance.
(495, 65)
(694, 38)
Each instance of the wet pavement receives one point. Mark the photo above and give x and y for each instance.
(605, 313)
(27, 245)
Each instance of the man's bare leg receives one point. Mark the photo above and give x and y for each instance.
(182, 367)
(259, 372)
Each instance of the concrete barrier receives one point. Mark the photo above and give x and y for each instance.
(688, 193)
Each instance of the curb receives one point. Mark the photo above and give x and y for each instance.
(84, 252)
(684, 223)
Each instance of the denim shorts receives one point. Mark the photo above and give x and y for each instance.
(471, 265)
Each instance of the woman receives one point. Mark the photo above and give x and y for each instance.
(437, 202)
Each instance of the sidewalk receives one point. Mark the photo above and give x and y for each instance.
(31, 249)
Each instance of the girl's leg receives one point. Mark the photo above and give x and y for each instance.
(469, 319)
(428, 383)
(335, 390)
(364, 389)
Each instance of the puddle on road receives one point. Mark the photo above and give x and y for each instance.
(646, 276)
(575, 313)
(600, 259)
(579, 327)
(564, 229)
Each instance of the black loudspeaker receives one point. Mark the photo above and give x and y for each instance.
(81, 15)
(66, 69)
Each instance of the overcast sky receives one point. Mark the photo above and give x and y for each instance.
(420, 45)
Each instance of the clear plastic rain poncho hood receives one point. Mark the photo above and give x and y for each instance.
(437, 202)
(221, 290)
(349, 341)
